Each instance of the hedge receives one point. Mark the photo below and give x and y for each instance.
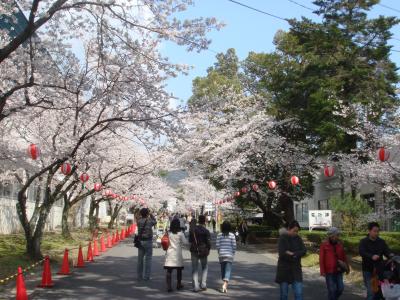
(350, 239)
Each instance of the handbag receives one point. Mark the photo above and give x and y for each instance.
(374, 282)
(342, 266)
(137, 239)
(202, 249)
(165, 241)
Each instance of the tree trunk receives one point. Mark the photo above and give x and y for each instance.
(114, 216)
(286, 205)
(64, 219)
(92, 216)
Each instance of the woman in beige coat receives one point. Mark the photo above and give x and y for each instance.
(173, 256)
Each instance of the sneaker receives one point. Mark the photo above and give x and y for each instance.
(147, 279)
(204, 289)
(195, 291)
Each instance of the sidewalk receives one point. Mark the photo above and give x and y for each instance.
(113, 276)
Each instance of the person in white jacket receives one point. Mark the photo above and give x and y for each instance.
(173, 256)
(226, 246)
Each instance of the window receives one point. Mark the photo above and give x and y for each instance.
(370, 198)
(323, 204)
(5, 189)
(304, 211)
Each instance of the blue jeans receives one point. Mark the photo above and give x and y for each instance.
(334, 283)
(144, 260)
(226, 270)
(367, 282)
(195, 271)
(297, 287)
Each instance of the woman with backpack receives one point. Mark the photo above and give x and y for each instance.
(226, 246)
(173, 255)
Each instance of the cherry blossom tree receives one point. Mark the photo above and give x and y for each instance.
(239, 145)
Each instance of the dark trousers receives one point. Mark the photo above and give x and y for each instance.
(334, 283)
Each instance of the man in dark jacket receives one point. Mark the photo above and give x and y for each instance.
(291, 249)
(372, 249)
(200, 245)
(333, 263)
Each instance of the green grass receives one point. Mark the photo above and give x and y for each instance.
(12, 249)
(310, 260)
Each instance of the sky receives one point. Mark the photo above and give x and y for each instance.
(247, 30)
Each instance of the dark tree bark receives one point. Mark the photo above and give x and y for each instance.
(64, 219)
(92, 215)
(114, 215)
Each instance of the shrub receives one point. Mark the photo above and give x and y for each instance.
(350, 210)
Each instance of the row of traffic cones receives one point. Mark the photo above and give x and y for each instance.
(47, 281)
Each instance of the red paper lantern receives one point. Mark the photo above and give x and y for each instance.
(115, 196)
(98, 187)
(383, 154)
(244, 190)
(255, 187)
(84, 177)
(272, 185)
(329, 171)
(66, 168)
(33, 151)
(126, 198)
(237, 194)
(295, 180)
(108, 193)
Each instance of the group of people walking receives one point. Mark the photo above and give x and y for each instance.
(291, 248)
(199, 242)
(332, 260)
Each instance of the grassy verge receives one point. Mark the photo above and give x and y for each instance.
(12, 249)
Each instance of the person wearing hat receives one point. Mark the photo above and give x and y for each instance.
(333, 263)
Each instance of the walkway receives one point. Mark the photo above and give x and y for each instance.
(113, 275)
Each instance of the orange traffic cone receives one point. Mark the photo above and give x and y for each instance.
(47, 282)
(109, 241)
(117, 236)
(65, 265)
(102, 245)
(89, 256)
(114, 240)
(80, 263)
(95, 248)
(123, 234)
(21, 289)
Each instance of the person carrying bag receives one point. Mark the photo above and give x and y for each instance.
(200, 239)
(144, 242)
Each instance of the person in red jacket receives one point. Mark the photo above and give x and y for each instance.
(333, 263)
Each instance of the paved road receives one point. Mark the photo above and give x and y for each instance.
(113, 276)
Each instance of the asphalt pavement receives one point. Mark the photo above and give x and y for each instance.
(113, 276)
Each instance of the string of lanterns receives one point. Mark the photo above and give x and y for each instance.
(329, 171)
(34, 153)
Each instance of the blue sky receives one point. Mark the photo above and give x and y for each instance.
(246, 31)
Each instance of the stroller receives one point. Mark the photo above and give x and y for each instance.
(391, 287)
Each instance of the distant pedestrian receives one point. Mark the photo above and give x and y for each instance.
(200, 240)
(372, 249)
(173, 256)
(226, 246)
(291, 249)
(243, 232)
(214, 225)
(333, 263)
(145, 235)
(182, 222)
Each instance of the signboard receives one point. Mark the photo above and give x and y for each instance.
(319, 219)
(130, 217)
